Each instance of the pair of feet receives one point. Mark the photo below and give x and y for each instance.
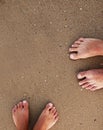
(91, 79)
(47, 119)
(85, 48)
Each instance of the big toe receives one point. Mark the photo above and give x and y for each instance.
(81, 75)
(25, 104)
(49, 106)
(74, 56)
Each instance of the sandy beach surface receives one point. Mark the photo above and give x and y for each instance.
(34, 65)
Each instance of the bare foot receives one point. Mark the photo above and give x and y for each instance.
(86, 47)
(47, 119)
(20, 114)
(91, 79)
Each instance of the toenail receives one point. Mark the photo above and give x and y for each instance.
(79, 76)
(24, 101)
(71, 56)
(50, 104)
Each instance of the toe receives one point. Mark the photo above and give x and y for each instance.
(89, 87)
(56, 118)
(56, 113)
(53, 110)
(84, 81)
(86, 85)
(16, 106)
(25, 104)
(74, 56)
(75, 45)
(77, 42)
(14, 109)
(81, 39)
(20, 104)
(93, 88)
(73, 49)
(49, 106)
(81, 75)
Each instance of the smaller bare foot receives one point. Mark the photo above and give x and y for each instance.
(20, 114)
(86, 47)
(47, 119)
(91, 79)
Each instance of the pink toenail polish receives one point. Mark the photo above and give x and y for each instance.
(78, 76)
(71, 56)
(24, 101)
(50, 104)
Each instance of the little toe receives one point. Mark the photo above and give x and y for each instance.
(49, 106)
(93, 88)
(25, 104)
(81, 75)
(13, 110)
(74, 56)
(73, 49)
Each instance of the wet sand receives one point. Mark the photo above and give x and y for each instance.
(34, 63)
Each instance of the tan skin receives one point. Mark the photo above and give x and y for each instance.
(47, 119)
(85, 48)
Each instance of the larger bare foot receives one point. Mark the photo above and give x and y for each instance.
(47, 119)
(20, 114)
(86, 47)
(91, 79)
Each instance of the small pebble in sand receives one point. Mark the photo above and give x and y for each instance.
(94, 120)
(66, 26)
(15, 45)
(81, 123)
(25, 94)
(81, 9)
(81, 89)
(50, 22)
(58, 30)
(66, 43)
(34, 24)
(45, 80)
(22, 77)
(64, 11)
(34, 9)
(57, 76)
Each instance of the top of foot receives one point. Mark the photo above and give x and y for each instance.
(91, 79)
(20, 114)
(47, 119)
(86, 47)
